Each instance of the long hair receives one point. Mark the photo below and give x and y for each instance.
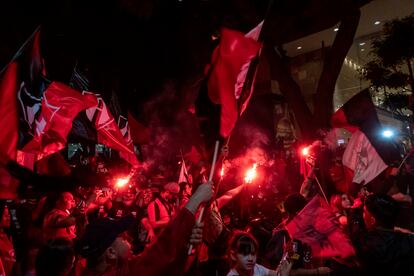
(242, 243)
(336, 202)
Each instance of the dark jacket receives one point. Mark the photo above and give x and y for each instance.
(381, 251)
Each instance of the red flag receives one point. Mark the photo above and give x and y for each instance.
(241, 77)
(9, 133)
(60, 105)
(317, 226)
(234, 51)
(108, 131)
(21, 74)
(139, 133)
(9, 128)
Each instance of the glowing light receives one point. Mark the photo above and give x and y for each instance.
(121, 182)
(336, 29)
(305, 151)
(388, 133)
(299, 47)
(250, 174)
(222, 172)
(377, 22)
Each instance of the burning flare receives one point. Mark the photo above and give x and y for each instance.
(250, 174)
(222, 172)
(121, 182)
(305, 151)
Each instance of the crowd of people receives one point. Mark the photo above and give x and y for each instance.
(67, 228)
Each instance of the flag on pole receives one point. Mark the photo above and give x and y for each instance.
(108, 131)
(183, 177)
(362, 158)
(60, 105)
(241, 77)
(22, 79)
(367, 153)
(234, 51)
(317, 226)
(9, 124)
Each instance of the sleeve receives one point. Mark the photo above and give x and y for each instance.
(52, 219)
(357, 229)
(169, 248)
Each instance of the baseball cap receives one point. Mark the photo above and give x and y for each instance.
(101, 233)
(172, 187)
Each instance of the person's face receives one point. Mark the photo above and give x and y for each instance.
(147, 196)
(5, 219)
(68, 201)
(336, 172)
(166, 195)
(128, 199)
(368, 219)
(346, 202)
(188, 190)
(363, 192)
(245, 262)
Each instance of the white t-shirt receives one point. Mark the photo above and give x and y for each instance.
(259, 270)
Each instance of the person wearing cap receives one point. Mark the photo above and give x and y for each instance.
(107, 253)
(161, 210)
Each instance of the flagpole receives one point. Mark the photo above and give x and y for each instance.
(210, 178)
(405, 159)
(320, 187)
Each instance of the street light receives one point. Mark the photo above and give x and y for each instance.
(388, 133)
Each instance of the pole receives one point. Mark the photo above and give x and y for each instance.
(210, 178)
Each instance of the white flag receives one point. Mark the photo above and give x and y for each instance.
(183, 173)
(241, 77)
(361, 157)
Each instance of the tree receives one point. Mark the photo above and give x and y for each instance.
(393, 54)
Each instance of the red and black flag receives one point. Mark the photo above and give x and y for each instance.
(22, 85)
(59, 106)
(367, 153)
(230, 62)
(108, 131)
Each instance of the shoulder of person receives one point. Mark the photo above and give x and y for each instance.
(260, 270)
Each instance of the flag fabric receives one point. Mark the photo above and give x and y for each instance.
(367, 153)
(108, 131)
(9, 124)
(241, 77)
(60, 105)
(139, 133)
(23, 75)
(317, 226)
(359, 113)
(21, 87)
(183, 177)
(362, 158)
(234, 51)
